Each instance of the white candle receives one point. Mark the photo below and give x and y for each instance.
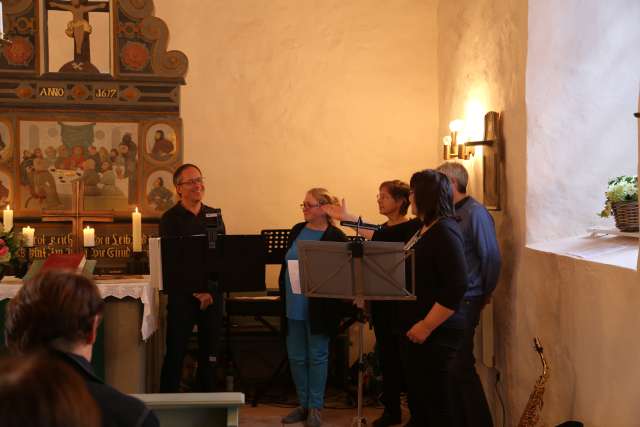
(28, 234)
(1, 20)
(7, 219)
(136, 222)
(89, 237)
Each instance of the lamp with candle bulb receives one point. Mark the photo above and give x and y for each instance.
(456, 147)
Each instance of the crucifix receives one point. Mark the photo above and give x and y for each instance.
(79, 29)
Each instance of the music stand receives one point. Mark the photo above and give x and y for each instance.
(360, 271)
(238, 261)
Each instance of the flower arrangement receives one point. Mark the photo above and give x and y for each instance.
(621, 189)
(9, 246)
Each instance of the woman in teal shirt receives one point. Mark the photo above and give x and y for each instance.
(309, 322)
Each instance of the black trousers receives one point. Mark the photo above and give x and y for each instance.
(470, 401)
(429, 379)
(389, 342)
(183, 311)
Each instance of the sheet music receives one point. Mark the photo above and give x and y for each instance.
(294, 275)
(155, 262)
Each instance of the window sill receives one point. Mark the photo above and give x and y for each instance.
(619, 251)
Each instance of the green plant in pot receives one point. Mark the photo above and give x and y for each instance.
(622, 202)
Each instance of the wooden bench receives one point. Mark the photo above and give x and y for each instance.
(195, 409)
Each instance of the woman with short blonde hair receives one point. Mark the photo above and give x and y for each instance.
(310, 322)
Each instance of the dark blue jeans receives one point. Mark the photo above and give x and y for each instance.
(468, 395)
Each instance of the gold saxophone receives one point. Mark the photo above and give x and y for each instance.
(531, 414)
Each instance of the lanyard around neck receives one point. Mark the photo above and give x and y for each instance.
(416, 237)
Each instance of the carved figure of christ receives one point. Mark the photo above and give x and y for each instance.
(77, 27)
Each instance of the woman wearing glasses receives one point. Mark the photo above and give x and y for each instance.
(441, 280)
(309, 322)
(393, 202)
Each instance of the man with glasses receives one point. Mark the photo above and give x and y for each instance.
(185, 308)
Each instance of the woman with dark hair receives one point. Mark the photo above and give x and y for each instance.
(393, 202)
(60, 311)
(441, 280)
(310, 322)
(41, 391)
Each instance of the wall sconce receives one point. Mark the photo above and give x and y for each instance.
(491, 154)
(453, 146)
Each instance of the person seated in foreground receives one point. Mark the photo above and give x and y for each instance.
(59, 312)
(40, 391)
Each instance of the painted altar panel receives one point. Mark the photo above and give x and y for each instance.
(120, 165)
(103, 156)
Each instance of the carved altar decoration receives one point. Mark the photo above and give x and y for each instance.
(80, 145)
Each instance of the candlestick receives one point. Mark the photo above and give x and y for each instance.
(136, 223)
(28, 236)
(7, 219)
(89, 237)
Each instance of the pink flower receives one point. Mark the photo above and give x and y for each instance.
(4, 250)
(2, 242)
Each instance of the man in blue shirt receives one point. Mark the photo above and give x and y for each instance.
(483, 263)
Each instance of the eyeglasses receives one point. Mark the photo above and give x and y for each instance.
(306, 205)
(192, 182)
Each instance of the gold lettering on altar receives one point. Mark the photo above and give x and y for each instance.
(52, 92)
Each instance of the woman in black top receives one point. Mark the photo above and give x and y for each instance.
(393, 202)
(441, 281)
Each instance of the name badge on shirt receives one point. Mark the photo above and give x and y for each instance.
(211, 215)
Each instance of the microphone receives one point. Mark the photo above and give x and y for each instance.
(360, 225)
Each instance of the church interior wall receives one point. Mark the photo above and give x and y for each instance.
(283, 96)
(580, 93)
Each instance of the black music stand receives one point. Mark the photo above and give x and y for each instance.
(238, 261)
(184, 263)
(358, 271)
(275, 241)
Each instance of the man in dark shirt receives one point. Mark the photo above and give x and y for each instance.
(191, 301)
(483, 268)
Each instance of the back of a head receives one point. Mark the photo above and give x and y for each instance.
(39, 390)
(56, 309)
(432, 194)
(458, 172)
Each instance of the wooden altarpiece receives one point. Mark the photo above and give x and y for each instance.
(83, 146)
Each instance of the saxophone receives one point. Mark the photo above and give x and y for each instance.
(531, 414)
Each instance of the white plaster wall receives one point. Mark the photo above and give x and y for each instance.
(579, 86)
(482, 61)
(286, 95)
(582, 89)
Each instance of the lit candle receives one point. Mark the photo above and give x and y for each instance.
(28, 234)
(136, 222)
(1, 20)
(89, 237)
(7, 219)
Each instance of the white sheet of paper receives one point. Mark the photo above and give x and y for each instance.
(294, 275)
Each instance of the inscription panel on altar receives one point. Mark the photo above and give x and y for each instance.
(49, 238)
(113, 249)
(113, 242)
